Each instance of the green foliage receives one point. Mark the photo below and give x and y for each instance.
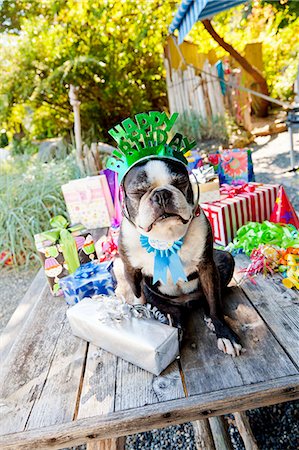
(275, 25)
(23, 147)
(196, 128)
(3, 139)
(30, 194)
(112, 50)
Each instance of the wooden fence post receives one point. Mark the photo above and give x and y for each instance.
(73, 96)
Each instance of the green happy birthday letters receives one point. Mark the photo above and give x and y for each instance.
(149, 130)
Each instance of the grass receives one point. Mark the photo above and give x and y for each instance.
(30, 194)
(192, 125)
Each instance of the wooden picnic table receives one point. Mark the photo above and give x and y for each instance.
(59, 391)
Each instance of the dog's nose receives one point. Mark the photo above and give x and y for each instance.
(161, 197)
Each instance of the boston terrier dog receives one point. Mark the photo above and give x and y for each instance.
(159, 204)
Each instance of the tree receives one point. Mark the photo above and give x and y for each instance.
(262, 108)
(111, 50)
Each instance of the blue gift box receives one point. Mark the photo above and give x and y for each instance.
(93, 278)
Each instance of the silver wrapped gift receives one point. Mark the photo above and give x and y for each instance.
(121, 329)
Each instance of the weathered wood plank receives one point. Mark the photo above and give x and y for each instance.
(136, 387)
(203, 438)
(207, 369)
(155, 416)
(19, 317)
(107, 444)
(278, 306)
(26, 367)
(57, 401)
(245, 431)
(220, 434)
(98, 389)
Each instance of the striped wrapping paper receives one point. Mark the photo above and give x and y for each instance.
(230, 213)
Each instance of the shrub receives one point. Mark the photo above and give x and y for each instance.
(192, 125)
(30, 194)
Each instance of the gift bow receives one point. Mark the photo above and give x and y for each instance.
(115, 309)
(60, 233)
(204, 174)
(233, 190)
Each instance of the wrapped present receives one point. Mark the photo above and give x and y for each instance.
(114, 190)
(225, 217)
(194, 160)
(261, 198)
(62, 249)
(238, 205)
(89, 201)
(235, 166)
(208, 183)
(111, 324)
(88, 280)
(214, 159)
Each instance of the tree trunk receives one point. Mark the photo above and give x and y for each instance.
(261, 108)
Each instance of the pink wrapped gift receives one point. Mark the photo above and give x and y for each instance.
(89, 201)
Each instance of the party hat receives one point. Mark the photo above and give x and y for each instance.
(149, 136)
(283, 211)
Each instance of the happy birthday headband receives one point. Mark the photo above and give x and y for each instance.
(148, 137)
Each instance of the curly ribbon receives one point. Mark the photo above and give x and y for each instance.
(204, 174)
(112, 308)
(63, 234)
(251, 235)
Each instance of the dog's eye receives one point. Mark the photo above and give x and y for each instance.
(180, 182)
(137, 194)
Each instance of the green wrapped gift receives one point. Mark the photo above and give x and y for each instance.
(62, 249)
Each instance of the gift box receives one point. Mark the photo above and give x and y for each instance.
(109, 323)
(209, 192)
(194, 160)
(89, 201)
(88, 280)
(235, 166)
(62, 249)
(237, 206)
(205, 179)
(226, 216)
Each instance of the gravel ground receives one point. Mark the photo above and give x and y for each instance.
(276, 427)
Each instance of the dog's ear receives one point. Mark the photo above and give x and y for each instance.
(190, 194)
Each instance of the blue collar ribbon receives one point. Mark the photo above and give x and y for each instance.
(166, 257)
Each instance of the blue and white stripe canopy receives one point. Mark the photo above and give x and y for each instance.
(190, 11)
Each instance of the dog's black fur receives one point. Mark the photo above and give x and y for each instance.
(214, 269)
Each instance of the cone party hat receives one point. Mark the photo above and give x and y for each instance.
(283, 211)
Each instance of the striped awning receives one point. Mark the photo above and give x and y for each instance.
(190, 11)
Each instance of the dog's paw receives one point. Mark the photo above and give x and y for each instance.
(229, 347)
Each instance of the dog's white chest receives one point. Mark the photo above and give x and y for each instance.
(190, 255)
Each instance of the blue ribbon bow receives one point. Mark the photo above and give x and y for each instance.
(167, 258)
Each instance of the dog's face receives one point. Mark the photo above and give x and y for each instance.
(159, 198)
